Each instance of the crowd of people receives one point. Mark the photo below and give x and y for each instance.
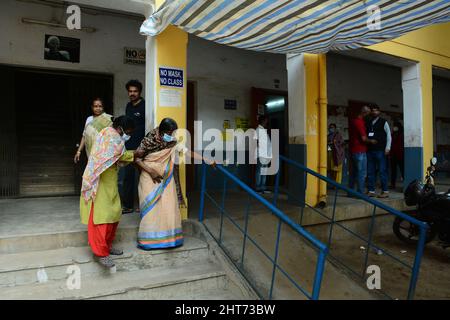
(126, 167)
(371, 144)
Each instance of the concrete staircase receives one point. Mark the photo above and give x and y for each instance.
(44, 266)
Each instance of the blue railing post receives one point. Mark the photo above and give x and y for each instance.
(277, 187)
(320, 268)
(369, 241)
(244, 243)
(224, 193)
(417, 261)
(275, 259)
(333, 219)
(202, 193)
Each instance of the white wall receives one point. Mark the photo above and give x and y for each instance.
(354, 79)
(223, 72)
(101, 51)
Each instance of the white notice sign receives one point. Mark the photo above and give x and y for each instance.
(170, 98)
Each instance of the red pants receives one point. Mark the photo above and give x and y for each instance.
(100, 236)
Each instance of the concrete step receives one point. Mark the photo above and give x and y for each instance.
(186, 282)
(57, 240)
(23, 268)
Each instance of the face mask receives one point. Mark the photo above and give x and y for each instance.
(125, 137)
(168, 138)
(395, 129)
(332, 130)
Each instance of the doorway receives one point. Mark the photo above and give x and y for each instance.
(47, 110)
(274, 105)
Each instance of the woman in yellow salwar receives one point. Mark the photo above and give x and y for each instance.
(100, 206)
(159, 188)
(94, 124)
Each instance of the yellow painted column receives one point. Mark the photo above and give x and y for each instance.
(323, 126)
(170, 53)
(312, 92)
(426, 79)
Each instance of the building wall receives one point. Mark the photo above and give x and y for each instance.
(429, 47)
(223, 72)
(101, 51)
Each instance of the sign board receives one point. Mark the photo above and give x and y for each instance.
(134, 56)
(171, 77)
(230, 104)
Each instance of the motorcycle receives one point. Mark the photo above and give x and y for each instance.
(431, 207)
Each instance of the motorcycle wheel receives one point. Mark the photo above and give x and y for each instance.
(409, 233)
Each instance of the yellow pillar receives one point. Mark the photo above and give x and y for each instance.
(312, 91)
(323, 125)
(426, 79)
(170, 52)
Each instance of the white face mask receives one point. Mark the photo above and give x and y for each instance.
(125, 137)
(168, 138)
(395, 129)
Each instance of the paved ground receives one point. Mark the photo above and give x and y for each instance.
(44, 215)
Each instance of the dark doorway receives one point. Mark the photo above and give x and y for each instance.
(48, 110)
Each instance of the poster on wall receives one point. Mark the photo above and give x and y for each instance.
(62, 48)
(134, 56)
(170, 98)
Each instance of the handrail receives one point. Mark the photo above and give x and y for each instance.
(322, 248)
(422, 225)
(357, 194)
(274, 209)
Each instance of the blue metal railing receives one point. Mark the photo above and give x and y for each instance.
(282, 218)
(369, 239)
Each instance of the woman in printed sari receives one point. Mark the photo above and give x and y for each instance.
(94, 124)
(159, 188)
(100, 206)
(336, 153)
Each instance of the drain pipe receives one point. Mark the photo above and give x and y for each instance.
(323, 128)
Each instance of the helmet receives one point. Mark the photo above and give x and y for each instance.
(414, 193)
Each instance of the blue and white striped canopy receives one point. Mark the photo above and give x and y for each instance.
(293, 26)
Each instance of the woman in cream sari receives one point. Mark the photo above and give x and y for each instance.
(160, 193)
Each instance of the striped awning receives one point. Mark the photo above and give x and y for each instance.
(290, 26)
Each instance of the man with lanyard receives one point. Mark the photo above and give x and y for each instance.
(378, 129)
(135, 109)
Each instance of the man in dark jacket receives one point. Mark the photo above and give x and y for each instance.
(135, 109)
(378, 129)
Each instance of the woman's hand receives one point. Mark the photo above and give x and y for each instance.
(76, 159)
(155, 177)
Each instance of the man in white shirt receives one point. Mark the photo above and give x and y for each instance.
(263, 153)
(378, 129)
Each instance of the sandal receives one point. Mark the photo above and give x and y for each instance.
(116, 252)
(107, 262)
(126, 211)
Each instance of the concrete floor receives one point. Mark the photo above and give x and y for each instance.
(45, 215)
(49, 215)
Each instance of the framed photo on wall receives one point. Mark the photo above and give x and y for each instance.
(60, 48)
